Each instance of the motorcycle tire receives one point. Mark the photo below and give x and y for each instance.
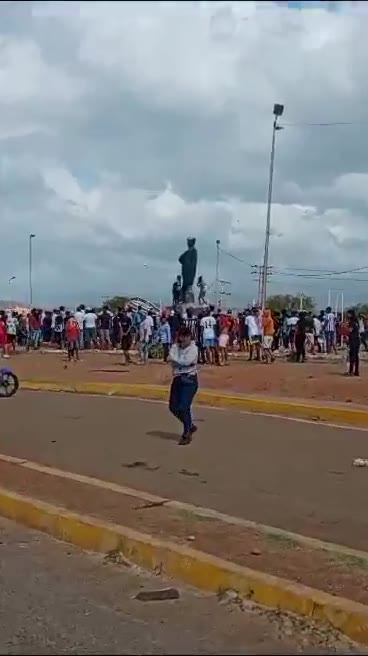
(9, 384)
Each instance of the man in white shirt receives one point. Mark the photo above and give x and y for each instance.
(291, 324)
(145, 336)
(254, 336)
(12, 324)
(208, 335)
(79, 317)
(330, 331)
(317, 330)
(90, 320)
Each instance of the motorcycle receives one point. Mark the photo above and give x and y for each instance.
(9, 383)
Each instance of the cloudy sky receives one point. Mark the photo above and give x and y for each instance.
(126, 127)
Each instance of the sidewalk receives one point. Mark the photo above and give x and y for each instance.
(334, 573)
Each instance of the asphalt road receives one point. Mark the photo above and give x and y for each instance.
(58, 600)
(293, 475)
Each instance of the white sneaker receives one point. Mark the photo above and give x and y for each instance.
(6, 357)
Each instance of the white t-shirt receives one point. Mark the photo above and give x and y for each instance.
(146, 328)
(208, 325)
(292, 321)
(330, 322)
(252, 324)
(11, 326)
(317, 326)
(79, 317)
(90, 319)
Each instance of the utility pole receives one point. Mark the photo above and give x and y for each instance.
(258, 271)
(223, 287)
(217, 281)
(31, 236)
(277, 112)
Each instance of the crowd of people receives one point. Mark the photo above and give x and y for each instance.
(186, 339)
(260, 333)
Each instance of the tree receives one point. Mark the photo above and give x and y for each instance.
(116, 302)
(360, 308)
(289, 302)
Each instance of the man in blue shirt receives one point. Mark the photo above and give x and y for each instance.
(164, 335)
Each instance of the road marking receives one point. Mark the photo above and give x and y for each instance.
(199, 511)
(267, 415)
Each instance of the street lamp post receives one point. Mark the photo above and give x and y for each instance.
(11, 280)
(31, 236)
(217, 282)
(277, 112)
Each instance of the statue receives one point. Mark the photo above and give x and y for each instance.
(188, 261)
(202, 290)
(176, 291)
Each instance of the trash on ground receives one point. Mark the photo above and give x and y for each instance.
(162, 594)
(360, 462)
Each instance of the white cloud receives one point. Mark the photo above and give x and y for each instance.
(101, 107)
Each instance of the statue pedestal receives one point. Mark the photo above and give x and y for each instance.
(196, 308)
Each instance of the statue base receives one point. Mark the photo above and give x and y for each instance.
(196, 308)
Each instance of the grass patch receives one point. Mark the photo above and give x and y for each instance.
(282, 541)
(348, 560)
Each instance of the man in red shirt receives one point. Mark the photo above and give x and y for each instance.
(3, 336)
(72, 332)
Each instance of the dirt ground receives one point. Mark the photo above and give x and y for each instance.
(280, 556)
(313, 380)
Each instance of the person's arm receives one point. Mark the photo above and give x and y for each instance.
(186, 357)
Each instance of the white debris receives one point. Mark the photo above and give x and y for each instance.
(360, 462)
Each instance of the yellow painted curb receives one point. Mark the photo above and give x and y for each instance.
(330, 413)
(337, 550)
(188, 565)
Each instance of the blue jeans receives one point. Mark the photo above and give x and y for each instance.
(90, 337)
(330, 340)
(81, 339)
(182, 392)
(35, 338)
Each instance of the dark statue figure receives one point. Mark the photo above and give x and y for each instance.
(188, 261)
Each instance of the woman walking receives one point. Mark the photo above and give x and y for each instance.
(183, 357)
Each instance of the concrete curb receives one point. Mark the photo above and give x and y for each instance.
(330, 413)
(188, 565)
(337, 550)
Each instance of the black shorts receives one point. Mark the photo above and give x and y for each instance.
(126, 342)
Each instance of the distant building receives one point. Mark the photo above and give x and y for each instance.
(15, 306)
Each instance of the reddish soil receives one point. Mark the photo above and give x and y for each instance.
(338, 575)
(314, 380)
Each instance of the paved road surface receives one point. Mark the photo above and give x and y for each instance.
(58, 600)
(289, 474)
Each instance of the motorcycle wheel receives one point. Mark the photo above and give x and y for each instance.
(9, 384)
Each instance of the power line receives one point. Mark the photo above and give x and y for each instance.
(276, 273)
(318, 273)
(324, 275)
(234, 257)
(323, 124)
(322, 271)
